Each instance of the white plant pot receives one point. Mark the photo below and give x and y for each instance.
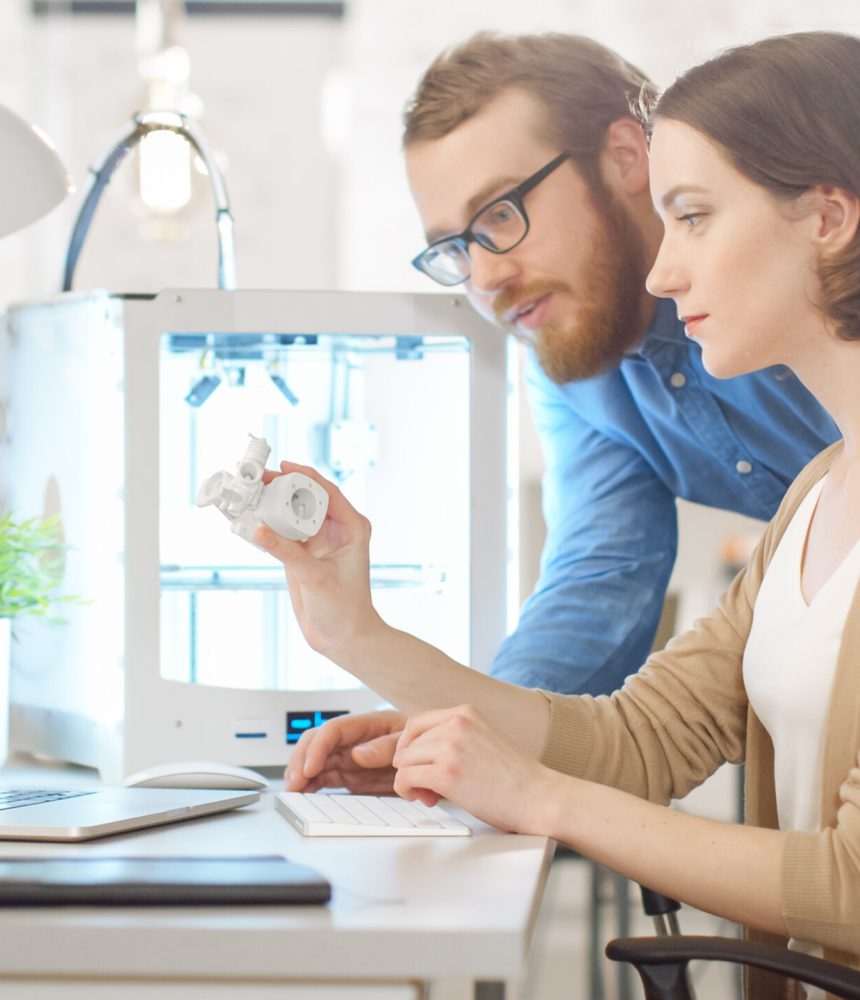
(5, 653)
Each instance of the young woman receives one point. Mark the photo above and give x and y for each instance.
(755, 170)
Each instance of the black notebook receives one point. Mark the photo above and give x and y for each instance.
(127, 881)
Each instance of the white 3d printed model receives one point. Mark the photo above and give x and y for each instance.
(293, 505)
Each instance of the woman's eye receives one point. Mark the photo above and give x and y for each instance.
(692, 219)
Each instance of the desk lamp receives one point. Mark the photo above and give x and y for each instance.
(33, 179)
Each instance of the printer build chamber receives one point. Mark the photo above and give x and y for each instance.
(185, 645)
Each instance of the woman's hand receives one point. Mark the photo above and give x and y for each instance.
(350, 751)
(328, 576)
(454, 754)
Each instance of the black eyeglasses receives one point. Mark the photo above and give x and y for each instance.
(498, 227)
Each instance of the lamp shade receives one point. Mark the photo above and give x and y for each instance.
(32, 177)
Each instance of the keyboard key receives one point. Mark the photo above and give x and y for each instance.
(305, 807)
(411, 812)
(438, 813)
(18, 798)
(336, 813)
(378, 804)
(358, 810)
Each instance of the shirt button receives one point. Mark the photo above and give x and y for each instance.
(743, 466)
(677, 379)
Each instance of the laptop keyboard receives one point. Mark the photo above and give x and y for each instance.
(323, 814)
(15, 798)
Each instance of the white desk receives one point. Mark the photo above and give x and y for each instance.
(410, 918)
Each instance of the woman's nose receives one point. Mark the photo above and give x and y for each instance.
(667, 277)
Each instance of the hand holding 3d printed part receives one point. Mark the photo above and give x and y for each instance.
(485, 761)
(293, 505)
(329, 573)
(329, 582)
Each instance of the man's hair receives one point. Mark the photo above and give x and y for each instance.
(786, 112)
(583, 86)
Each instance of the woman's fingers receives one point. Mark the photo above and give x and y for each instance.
(417, 725)
(283, 549)
(417, 782)
(334, 745)
(357, 781)
(378, 752)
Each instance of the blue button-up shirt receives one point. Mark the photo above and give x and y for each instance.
(618, 449)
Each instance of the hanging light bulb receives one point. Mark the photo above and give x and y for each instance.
(165, 172)
(167, 167)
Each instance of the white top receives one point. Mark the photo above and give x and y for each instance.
(790, 662)
(789, 666)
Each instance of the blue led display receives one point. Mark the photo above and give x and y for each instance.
(300, 722)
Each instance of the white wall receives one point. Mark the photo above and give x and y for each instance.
(308, 112)
(261, 80)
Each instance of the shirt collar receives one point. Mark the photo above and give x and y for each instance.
(664, 328)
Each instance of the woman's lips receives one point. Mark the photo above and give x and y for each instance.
(691, 322)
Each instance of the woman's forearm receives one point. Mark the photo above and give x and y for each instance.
(329, 582)
(726, 869)
(415, 676)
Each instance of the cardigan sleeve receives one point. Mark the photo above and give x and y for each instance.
(821, 871)
(685, 712)
(821, 876)
(674, 722)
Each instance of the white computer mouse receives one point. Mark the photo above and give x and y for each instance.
(196, 774)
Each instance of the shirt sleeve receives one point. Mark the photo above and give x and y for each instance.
(609, 552)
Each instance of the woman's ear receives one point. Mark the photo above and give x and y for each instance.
(838, 216)
(624, 158)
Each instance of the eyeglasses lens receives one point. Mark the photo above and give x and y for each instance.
(447, 263)
(500, 226)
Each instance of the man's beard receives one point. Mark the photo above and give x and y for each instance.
(608, 317)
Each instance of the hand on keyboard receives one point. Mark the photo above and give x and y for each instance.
(337, 815)
(350, 751)
(455, 754)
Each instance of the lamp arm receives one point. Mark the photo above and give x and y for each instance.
(141, 124)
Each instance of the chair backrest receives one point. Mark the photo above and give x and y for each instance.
(662, 964)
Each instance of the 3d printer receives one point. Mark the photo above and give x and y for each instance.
(187, 647)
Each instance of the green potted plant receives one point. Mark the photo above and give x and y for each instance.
(32, 560)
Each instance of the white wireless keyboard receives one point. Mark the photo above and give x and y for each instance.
(321, 814)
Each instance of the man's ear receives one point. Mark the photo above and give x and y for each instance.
(837, 214)
(624, 158)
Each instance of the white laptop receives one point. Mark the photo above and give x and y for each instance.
(83, 814)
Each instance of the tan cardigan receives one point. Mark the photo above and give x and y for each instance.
(686, 712)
